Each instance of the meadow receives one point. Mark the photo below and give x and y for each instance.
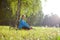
(37, 33)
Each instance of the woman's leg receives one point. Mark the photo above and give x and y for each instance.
(25, 28)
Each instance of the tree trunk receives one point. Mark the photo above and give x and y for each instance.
(18, 13)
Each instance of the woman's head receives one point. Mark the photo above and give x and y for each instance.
(23, 16)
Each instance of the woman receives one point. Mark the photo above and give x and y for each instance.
(23, 24)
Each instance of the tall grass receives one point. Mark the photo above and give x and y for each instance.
(37, 33)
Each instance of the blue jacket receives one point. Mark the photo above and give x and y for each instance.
(22, 23)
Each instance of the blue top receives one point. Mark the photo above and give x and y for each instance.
(22, 23)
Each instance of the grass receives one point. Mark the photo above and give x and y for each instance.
(37, 33)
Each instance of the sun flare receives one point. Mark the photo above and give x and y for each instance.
(51, 6)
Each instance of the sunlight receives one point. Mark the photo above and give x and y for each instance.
(51, 6)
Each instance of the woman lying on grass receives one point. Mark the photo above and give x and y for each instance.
(23, 24)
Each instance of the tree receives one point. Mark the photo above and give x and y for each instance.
(4, 12)
(52, 20)
(16, 8)
(18, 13)
(27, 7)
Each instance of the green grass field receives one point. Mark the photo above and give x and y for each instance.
(37, 33)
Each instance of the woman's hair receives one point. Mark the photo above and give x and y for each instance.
(23, 16)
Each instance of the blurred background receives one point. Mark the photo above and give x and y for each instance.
(38, 12)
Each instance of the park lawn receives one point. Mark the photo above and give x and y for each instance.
(37, 33)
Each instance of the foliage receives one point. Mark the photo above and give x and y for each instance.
(36, 20)
(37, 33)
(27, 6)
